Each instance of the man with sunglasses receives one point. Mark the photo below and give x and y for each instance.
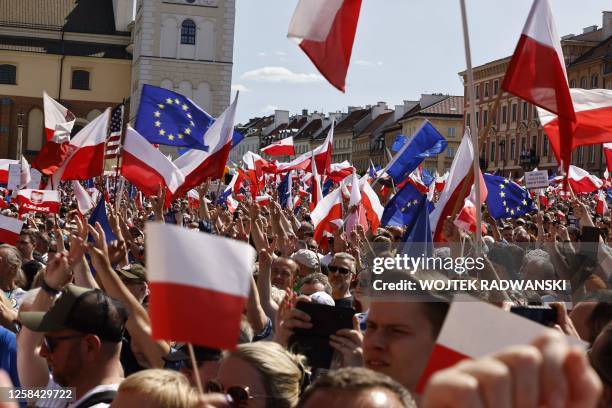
(81, 344)
(341, 273)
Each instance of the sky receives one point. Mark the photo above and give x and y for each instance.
(402, 48)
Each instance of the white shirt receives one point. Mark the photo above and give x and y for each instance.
(52, 385)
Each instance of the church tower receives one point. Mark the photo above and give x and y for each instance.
(185, 46)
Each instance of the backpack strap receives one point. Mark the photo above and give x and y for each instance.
(101, 397)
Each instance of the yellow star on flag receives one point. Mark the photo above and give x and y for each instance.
(188, 131)
(189, 115)
(160, 105)
(162, 132)
(170, 137)
(177, 101)
(191, 123)
(156, 114)
(169, 101)
(157, 123)
(502, 194)
(180, 135)
(184, 107)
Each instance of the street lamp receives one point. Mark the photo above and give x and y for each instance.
(20, 116)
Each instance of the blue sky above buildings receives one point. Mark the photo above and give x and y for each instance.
(403, 48)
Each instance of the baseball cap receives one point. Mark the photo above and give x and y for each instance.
(201, 354)
(306, 257)
(84, 310)
(133, 272)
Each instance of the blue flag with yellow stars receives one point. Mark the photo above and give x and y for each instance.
(506, 199)
(403, 208)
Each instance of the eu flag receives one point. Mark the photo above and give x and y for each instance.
(168, 118)
(99, 215)
(506, 199)
(403, 207)
(284, 191)
(426, 142)
(399, 141)
(418, 239)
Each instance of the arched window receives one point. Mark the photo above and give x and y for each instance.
(188, 32)
(8, 74)
(35, 130)
(583, 82)
(594, 81)
(80, 79)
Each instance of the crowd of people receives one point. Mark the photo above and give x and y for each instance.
(73, 312)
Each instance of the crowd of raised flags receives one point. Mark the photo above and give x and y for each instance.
(205, 283)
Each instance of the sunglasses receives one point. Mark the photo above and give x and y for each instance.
(239, 394)
(338, 269)
(51, 342)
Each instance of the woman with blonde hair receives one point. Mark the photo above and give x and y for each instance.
(156, 388)
(261, 375)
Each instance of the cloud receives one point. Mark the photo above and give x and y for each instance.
(365, 63)
(240, 88)
(262, 54)
(269, 109)
(280, 74)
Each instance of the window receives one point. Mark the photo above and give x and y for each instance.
(467, 119)
(485, 118)
(512, 149)
(188, 32)
(495, 87)
(8, 74)
(523, 144)
(477, 119)
(80, 79)
(514, 112)
(451, 132)
(545, 146)
(580, 154)
(594, 81)
(591, 154)
(573, 83)
(492, 155)
(583, 82)
(525, 111)
(534, 142)
(450, 152)
(477, 93)
(486, 89)
(504, 114)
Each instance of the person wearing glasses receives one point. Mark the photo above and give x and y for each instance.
(79, 335)
(261, 374)
(341, 273)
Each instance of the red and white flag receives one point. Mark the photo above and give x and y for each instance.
(602, 205)
(199, 165)
(264, 199)
(316, 194)
(41, 201)
(4, 169)
(536, 72)
(474, 329)
(282, 147)
(456, 188)
(326, 30)
(322, 156)
(607, 148)
(582, 182)
(340, 171)
(190, 272)
(86, 158)
(371, 203)
(193, 199)
(327, 215)
(84, 200)
(59, 122)
(10, 228)
(146, 167)
(593, 123)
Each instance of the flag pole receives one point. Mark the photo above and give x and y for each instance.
(390, 158)
(194, 363)
(123, 125)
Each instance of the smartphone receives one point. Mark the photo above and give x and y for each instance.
(589, 242)
(314, 342)
(544, 315)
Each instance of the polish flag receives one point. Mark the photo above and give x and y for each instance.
(281, 148)
(355, 195)
(4, 169)
(371, 203)
(581, 181)
(322, 157)
(84, 200)
(456, 188)
(340, 171)
(543, 199)
(316, 194)
(193, 199)
(536, 72)
(327, 215)
(325, 30)
(607, 148)
(59, 122)
(593, 123)
(10, 228)
(440, 181)
(199, 165)
(474, 329)
(297, 201)
(146, 167)
(184, 279)
(602, 204)
(466, 219)
(38, 201)
(263, 199)
(86, 152)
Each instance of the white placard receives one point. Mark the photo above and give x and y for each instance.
(14, 178)
(536, 179)
(35, 177)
